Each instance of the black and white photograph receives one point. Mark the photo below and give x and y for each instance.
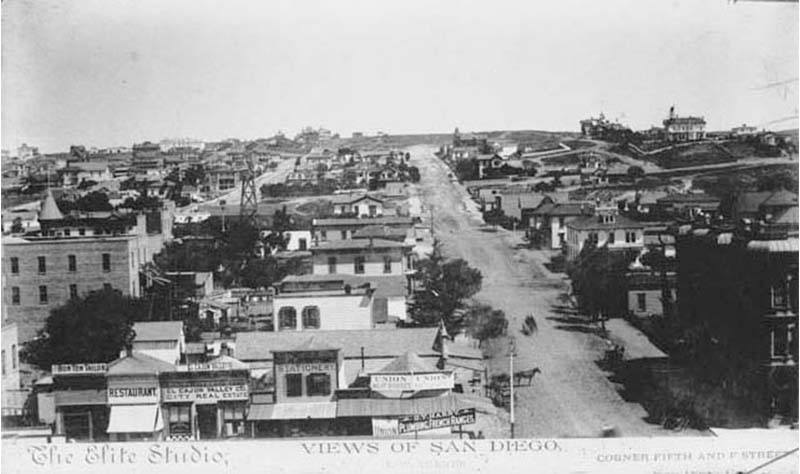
(426, 236)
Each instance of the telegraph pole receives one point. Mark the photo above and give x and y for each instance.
(511, 381)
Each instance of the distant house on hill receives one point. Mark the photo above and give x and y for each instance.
(683, 129)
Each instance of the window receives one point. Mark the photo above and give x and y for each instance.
(106, 262)
(323, 235)
(611, 238)
(630, 237)
(81, 231)
(780, 294)
(318, 384)
(73, 291)
(287, 318)
(42, 294)
(13, 356)
(359, 265)
(592, 238)
(233, 418)
(4, 361)
(780, 341)
(67, 232)
(641, 301)
(106, 286)
(14, 295)
(180, 420)
(373, 210)
(42, 265)
(72, 264)
(294, 385)
(387, 265)
(331, 265)
(344, 235)
(302, 244)
(311, 317)
(14, 265)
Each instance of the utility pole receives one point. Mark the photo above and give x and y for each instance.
(511, 381)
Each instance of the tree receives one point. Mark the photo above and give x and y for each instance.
(467, 170)
(142, 202)
(92, 329)
(16, 226)
(483, 322)
(598, 280)
(95, 201)
(446, 284)
(413, 174)
(635, 172)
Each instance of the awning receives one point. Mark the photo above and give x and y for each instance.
(135, 419)
(293, 411)
(80, 397)
(397, 406)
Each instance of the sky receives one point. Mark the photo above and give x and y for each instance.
(114, 72)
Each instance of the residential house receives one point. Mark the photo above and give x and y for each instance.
(605, 228)
(344, 228)
(77, 172)
(489, 162)
(163, 340)
(361, 205)
(682, 129)
(689, 205)
(764, 205)
(550, 220)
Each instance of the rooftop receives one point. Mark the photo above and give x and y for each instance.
(138, 363)
(408, 362)
(157, 331)
(251, 346)
(385, 286)
(388, 220)
(564, 209)
(594, 222)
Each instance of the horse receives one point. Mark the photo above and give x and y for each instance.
(526, 374)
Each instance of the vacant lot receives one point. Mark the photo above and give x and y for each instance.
(692, 155)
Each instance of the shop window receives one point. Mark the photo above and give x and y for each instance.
(318, 384)
(323, 235)
(311, 317)
(630, 237)
(294, 385)
(180, 420)
(15, 265)
(359, 265)
(233, 419)
(72, 263)
(287, 318)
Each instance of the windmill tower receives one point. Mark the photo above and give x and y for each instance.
(248, 206)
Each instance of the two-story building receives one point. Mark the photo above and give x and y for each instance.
(550, 219)
(360, 257)
(605, 228)
(682, 129)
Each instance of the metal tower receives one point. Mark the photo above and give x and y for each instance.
(248, 206)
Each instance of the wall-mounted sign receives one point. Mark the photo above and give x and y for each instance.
(68, 369)
(305, 368)
(206, 392)
(433, 421)
(128, 394)
(384, 427)
(209, 366)
(430, 381)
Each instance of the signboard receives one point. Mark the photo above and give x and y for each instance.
(430, 381)
(69, 369)
(129, 393)
(209, 366)
(306, 368)
(384, 427)
(433, 421)
(206, 392)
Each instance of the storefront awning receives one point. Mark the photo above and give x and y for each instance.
(397, 406)
(293, 411)
(135, 419)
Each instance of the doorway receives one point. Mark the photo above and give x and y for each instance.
(207, 421)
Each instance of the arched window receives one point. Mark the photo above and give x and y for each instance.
(287, 318)
(311, 317)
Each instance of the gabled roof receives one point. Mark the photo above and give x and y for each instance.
(50, 210)
(350, 198)
(138, 363)
(789, 216)
(312, 343)
(594, 222)
(407, 363)
(157, 331)
(564, 209)
(750, 203)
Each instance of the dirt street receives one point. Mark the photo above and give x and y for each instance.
(572, 397)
